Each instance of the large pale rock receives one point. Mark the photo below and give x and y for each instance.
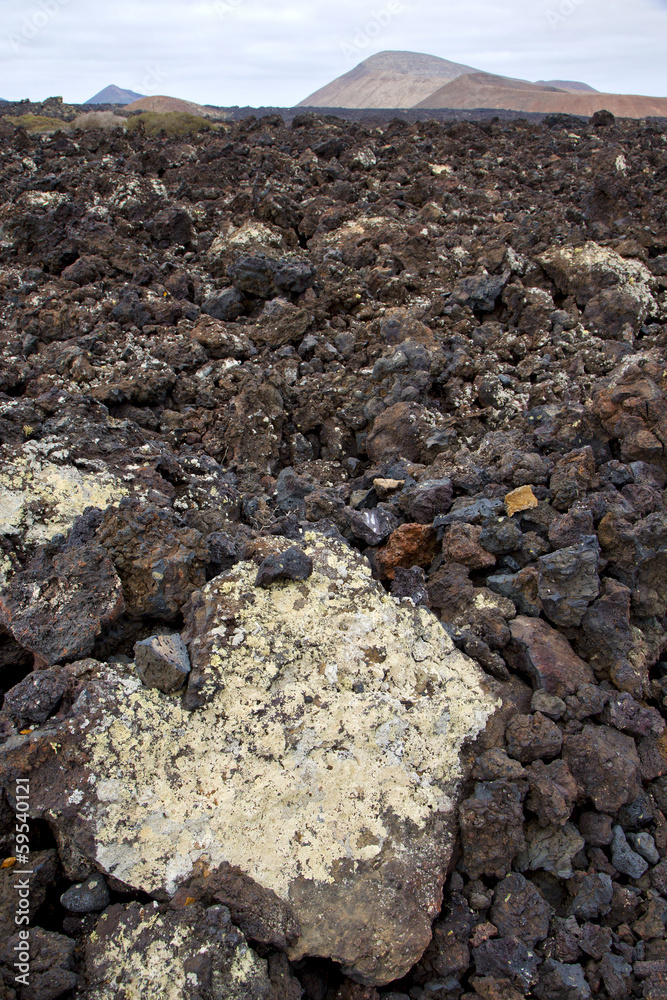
(321, 759)
(585, 272)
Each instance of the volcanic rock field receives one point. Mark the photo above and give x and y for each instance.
(333, 566)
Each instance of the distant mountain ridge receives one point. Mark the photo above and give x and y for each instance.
(417, 80)
(571, 85)
(400, 78)
(484, 90)
(114, 95)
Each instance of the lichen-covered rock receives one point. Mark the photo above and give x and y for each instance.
(344, 711)
(147, 952)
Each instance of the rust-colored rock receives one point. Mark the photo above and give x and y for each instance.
(520, 500)
(410, 545)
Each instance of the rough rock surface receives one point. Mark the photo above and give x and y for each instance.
(344, 711)
(145, 951)
(441, 342)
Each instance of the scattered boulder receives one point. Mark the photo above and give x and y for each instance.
(162, 662)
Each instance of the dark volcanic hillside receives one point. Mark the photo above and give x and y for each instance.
(333, 597)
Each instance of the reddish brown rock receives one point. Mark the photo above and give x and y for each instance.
(573, 476)
(553, 792)
(532, 737)
(605, 764)
(410, 545)
(492, 828)
(410, 431)
(460, 544)
(544, 654)
(159, 559)
(60, 604)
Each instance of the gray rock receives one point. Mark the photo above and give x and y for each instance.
(501, 535)
(558, 979)
(89, 897)
(623, 858)
(162, 662)
(550, 849)
(481, 290)
(293, 564)
(223, 305)
(616, 975)
(421, 504)
(548, 704)
(371, 526)
(36, 697)
(264, 277)
(470, 512)
(593, 897)
(507, 957)
(568, 581)
(644, 844)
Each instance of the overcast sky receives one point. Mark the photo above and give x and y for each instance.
(276, 52)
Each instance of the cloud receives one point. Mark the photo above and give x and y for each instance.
(268, 52)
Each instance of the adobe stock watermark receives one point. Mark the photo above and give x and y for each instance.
(21, 949)
(35, 21)
(367, 33)
(223, 8)
(153, 77)
(559, 14)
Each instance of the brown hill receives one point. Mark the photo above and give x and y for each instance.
(483, 90)
(388, 80)
(574, 86)
(161, 105)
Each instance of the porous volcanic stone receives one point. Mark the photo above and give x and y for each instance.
(162, 662)
(547, 657)
(344, 711)
(189, 954)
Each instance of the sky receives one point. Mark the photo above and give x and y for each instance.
(277, 52)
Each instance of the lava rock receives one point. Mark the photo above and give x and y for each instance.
(553, 792)
(89, 897)
(492, 828)
(568, 581)
(189, 951)
(162, 662)
(624, 859)
(36, 697)
(520, 911)
(224, 305)
(58, 606)
(532, 737)
(293, 564)
(409, 545)
(593, 898)
(51, 972)
(605, 764)
(371, 526)
(547, 657)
